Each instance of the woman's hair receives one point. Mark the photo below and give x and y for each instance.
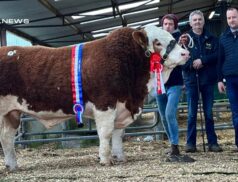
(170, 17)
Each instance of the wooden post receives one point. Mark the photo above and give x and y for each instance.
(3, 38)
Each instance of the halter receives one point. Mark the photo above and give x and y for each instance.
(169, 48)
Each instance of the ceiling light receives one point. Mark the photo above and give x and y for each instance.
(97, 12)
(153, 2)
(183, 23)
(75, 17)
(135, 26)
(109, 9)
(99, 35)
(211, 15)
(131, 5)
(106, 29)
(144, 21)
(141, 11)
(96, 20)
(153, 23)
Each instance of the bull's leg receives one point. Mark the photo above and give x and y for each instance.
(117, 145)
(8, 129)
(105, 125)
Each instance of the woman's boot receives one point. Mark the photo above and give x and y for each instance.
(175, 155)
(174, 150)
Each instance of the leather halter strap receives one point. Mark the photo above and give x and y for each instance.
(169, 48)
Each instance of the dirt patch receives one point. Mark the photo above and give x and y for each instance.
(146, 162)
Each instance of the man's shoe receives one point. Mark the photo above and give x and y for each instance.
(179, 158)
(190, 149)
(235, 150)
(173, 150)
(214, 148)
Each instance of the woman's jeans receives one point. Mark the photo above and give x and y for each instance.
(232, 93)
(168, 104)
(207, 93)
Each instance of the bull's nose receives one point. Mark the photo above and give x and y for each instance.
(186, 55)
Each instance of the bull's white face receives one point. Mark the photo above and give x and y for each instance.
(159, 39)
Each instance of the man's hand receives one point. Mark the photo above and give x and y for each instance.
(183, 40)
(197, 64)
(221, 87)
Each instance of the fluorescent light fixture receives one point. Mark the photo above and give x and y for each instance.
(144, 21)
(77, 17)
(153, 23)
(107, 18)
(109, 9)
(131, 5)
(183, 23)
(97, 12)
(111, 29)
(106, 29)
(96, 20)
(135, 26)
(211, 15)
(141, 11)
(99, 35)
(153, 2)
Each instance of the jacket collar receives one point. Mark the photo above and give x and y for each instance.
(228, 32)
(205, 34)
(176, 34)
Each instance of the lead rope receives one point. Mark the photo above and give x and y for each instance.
(190, 43)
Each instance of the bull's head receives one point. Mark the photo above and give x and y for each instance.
(155, 39)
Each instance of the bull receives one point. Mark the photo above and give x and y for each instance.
(115, 72)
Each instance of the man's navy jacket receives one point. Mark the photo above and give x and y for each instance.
(206, 48)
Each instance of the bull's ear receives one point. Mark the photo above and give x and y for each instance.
(140, 37)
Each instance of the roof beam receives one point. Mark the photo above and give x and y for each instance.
(22, 34)
(3, 38)
(115, 7)
(74, 13)
(65, 20)
(170, 7)
(59, 37)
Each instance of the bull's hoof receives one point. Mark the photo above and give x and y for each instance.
(121, 159)
(107, 163)
(11, 169)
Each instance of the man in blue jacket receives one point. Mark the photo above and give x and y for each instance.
(228, 65)
(200, 73)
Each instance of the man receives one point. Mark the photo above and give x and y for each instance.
(168, 102)
(200, 73)
(228, 65)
